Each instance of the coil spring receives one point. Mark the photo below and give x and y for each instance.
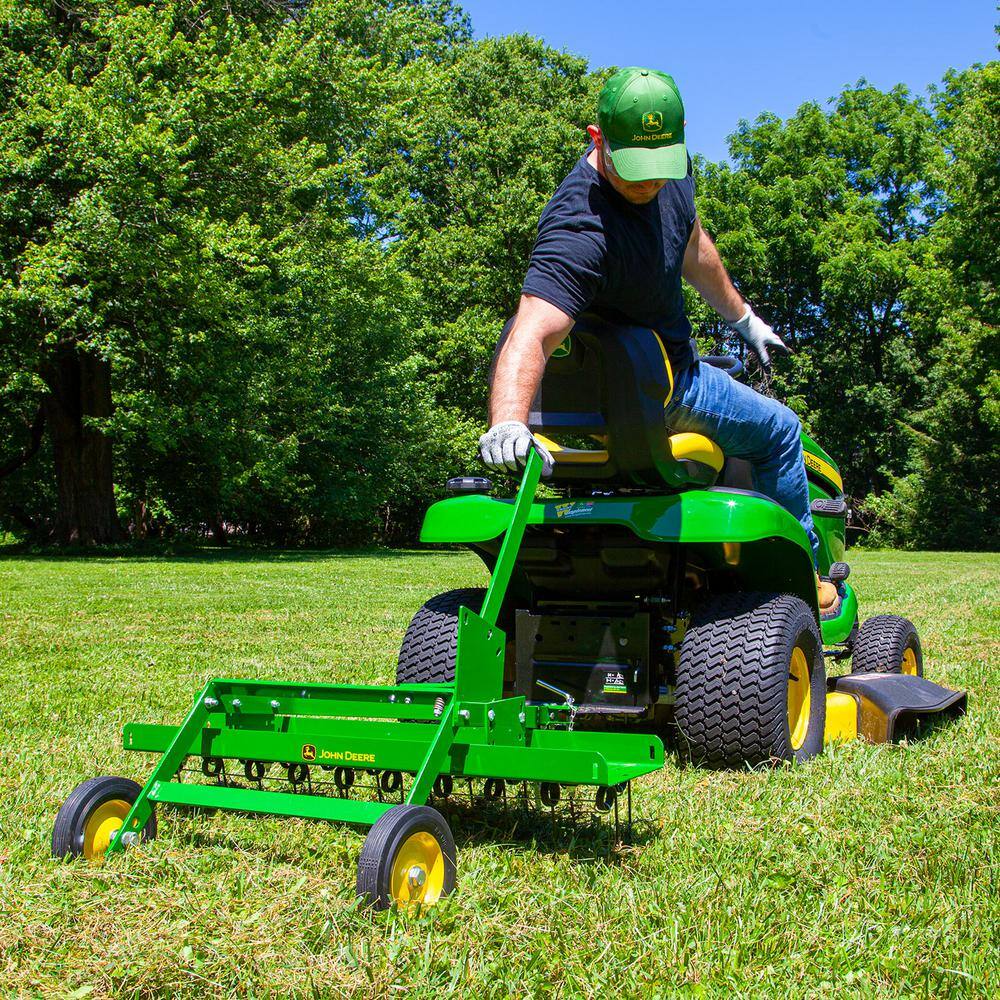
(438, 706)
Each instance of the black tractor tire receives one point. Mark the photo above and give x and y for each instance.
(735, 690)
(887, 644)
(427, 655)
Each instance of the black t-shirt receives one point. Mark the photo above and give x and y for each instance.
(597, 252)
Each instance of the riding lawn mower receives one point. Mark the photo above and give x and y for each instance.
(654, 600)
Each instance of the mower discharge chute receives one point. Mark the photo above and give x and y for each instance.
(657, 597)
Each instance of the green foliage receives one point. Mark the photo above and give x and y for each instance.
(487, 139)
(289, 233)
(178, 204)
(820, 221)
(946, 496)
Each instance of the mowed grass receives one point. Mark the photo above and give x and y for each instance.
(872, 871)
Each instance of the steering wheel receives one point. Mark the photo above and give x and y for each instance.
(732, 366)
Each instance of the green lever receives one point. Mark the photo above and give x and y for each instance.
(512, 539)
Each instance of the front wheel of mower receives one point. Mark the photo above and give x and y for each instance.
(91, 815)
(887, 644)
(408, 857)
(751, 684)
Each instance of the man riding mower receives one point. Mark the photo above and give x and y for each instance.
(615, 239)
(668, 590)
(657, 553)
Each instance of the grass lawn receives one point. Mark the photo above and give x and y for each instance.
(872, 871)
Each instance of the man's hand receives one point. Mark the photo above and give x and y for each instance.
(506, 446)
(758, 335)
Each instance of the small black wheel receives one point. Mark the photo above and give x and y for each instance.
(390, 781)
(605, 799)
(92, 813)
(549, 792)
(409, 857)
(493, 789)
(343, 777)
(254, 770)
(443, 785)
(888, 644)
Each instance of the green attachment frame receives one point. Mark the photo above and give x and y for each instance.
(477, 733)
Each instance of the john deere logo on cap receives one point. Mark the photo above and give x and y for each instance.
(652, 121)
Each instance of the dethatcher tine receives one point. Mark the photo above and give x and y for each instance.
(644, 603)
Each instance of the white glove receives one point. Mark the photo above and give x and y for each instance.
(758, 335)
(506, 446)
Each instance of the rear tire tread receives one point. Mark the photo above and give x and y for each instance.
(427, 655)
(730, 709)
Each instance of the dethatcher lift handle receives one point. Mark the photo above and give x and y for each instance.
(504, 567)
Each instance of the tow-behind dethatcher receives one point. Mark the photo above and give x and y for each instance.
(643, 604)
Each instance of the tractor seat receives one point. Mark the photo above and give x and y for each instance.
(599, 411)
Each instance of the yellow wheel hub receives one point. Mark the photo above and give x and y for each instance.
(418, 870)
(101, 826)
(909, 665)
(799, 697)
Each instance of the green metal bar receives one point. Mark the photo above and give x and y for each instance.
(332, 733)
(436, 754)
(168, 764)
(577, 757)
(275, 803)
(507, 556)
(390, 746)
(241, 698)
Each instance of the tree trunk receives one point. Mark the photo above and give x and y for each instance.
(80, 387)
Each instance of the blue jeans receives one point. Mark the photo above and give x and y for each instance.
(745, 424)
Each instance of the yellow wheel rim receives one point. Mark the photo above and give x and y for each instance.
(101, 825)
(910, 661)
(799, 697)
(418, 870)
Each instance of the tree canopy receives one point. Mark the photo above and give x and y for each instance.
(254, 257)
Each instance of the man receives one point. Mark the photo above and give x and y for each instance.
(615, 239)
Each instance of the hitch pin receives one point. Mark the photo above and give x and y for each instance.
(565, 695)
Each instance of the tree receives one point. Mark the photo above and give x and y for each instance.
(177, 226)
(485, 141)
(946, 496)
(822, 222)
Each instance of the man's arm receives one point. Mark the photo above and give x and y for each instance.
(537, 331)
(704, 269)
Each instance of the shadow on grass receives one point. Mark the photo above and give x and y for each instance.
(573, 828)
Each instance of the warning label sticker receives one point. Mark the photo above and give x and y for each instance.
(614, 683)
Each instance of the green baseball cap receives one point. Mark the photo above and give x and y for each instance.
(641, 116)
